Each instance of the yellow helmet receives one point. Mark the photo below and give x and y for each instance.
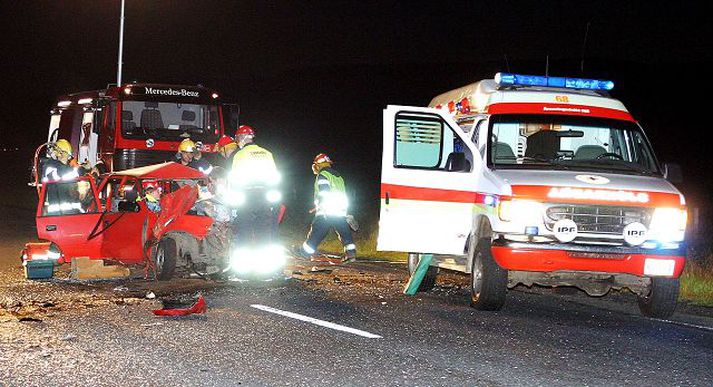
(64, 146)
(187, 146)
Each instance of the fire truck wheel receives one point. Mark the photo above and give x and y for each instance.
(661, 301)
(488, 281)
(429, 280)
(165, 259)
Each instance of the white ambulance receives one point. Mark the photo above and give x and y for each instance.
(529, 180)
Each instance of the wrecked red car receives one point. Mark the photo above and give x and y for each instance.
(108, 219)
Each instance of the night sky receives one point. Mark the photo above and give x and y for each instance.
(314, 76)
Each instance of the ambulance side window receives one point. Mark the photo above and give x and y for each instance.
(425, 141)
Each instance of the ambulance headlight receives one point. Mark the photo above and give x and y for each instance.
(273, 196)
(522, 211)
(668, 224)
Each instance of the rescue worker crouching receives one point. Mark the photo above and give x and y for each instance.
(331, 209)
(254, 179)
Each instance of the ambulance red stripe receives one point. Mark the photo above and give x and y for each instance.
(430, 194)
(554, 108)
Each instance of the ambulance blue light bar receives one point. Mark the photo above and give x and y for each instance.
(507, 79)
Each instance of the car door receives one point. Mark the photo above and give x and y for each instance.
(429, 180)
(67, 213)
(123, 222)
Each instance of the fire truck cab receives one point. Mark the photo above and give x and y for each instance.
(139, 124)
(532, 180)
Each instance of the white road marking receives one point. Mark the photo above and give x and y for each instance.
(315, 321)
(684, 324)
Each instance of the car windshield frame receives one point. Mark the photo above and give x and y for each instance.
(629, 133)
(197, 121)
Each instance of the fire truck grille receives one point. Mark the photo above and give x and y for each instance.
(133, 158)
(598, 219)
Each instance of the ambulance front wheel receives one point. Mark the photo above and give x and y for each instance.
(488, 281)
(429, 280)
(662, 298)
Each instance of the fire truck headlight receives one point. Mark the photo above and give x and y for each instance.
(273, 196)
(668, 224)
(522, 211)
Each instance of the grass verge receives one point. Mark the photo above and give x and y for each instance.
(697, 284)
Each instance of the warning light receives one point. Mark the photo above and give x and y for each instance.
(507, 79)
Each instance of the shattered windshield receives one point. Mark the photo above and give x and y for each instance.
(567, 142)
(170, 121)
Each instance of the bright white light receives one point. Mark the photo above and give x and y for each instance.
(332, 203)
(523, 211)
(127, 90)
(273, 196)
(262, 260)
(668, 225)
(659, 267)
(84, 101)
(64, 103)
(214, 95)
(63, 207)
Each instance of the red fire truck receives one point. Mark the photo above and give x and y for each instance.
(139, 124)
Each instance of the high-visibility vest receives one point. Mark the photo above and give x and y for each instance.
(254, 165)
(330, 193)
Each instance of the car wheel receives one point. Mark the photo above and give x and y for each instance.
(165, 259)
(488, 281)
(662, 298)
(429, 280)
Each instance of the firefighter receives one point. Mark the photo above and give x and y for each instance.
(226, 149)
(254, 175)
(59, 165)
(186, 156)
(331, 207)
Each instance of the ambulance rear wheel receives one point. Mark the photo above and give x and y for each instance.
(165, 259)
(488, 281)
(662, 298)
(429, 280)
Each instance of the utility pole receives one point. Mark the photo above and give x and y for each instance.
(121, 44)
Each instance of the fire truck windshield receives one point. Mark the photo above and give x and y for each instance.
(169, 121)
(568, 142)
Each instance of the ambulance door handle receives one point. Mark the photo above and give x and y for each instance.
(386, 199)
(51, 227)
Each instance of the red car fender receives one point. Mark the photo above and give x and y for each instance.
(198, 307)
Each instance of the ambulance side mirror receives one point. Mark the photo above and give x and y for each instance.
(672, 172)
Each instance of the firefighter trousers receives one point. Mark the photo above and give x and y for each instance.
(321, 226)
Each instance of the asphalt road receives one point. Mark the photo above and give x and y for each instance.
(540, 338)
(70, 333)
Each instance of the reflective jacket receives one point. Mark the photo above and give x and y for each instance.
(254, 165)
(330, 193)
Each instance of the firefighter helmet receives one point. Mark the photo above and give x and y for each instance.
(224, 141)
(187, 145)
(64, 146)
(150, 185)
(245, 130)
(320, 162)
(321, 159)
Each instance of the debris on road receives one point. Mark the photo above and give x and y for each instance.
(150, 295)
(199, 307)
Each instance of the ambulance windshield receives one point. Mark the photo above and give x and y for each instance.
(568, 142)
(169, 121)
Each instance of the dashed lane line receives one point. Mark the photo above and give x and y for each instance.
(315, 321)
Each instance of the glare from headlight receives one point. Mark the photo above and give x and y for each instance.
(524, 211)
(262, 260)
(668, 224)
(273, 196)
